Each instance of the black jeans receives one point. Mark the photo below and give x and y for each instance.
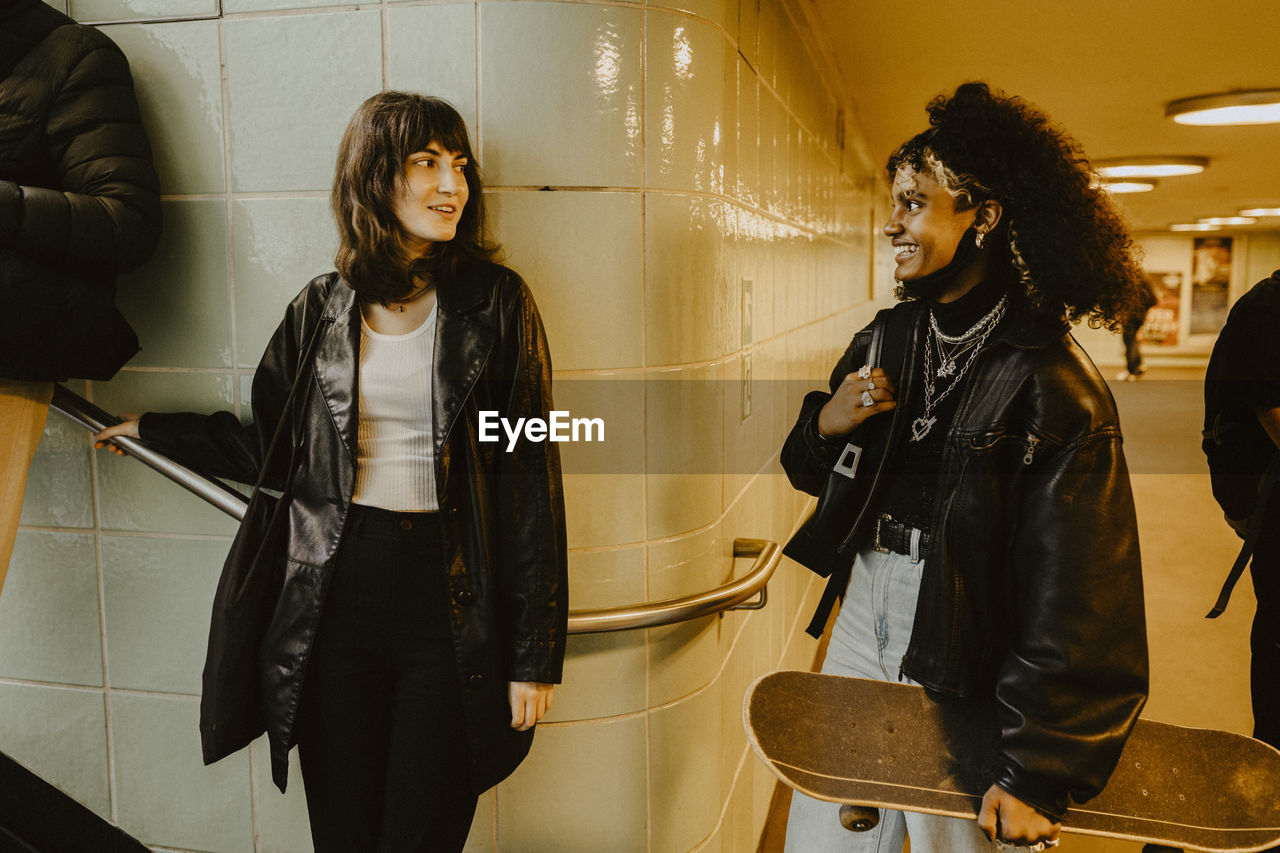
(381, 737)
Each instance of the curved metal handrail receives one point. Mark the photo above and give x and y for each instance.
(671, 610)
(731, 596)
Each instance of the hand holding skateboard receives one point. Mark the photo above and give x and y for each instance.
(877, 744)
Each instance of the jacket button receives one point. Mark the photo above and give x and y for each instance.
(464, 597)
(475, 681)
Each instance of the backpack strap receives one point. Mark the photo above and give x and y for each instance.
(842, 495)
(1251, 535)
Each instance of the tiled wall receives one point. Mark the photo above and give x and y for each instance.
(667, 176)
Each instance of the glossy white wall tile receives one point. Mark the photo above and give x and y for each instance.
(177, 75)
(292, 84)
(153, 588)
(581, 255)
(58, 482)
(277, 246)
(686, 94)
(100, 11)
(163, 792)
(51, 573)
(560, 91)
(581, 788)
(432, 50)
(57, 733)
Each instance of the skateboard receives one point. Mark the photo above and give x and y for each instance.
(876, 744)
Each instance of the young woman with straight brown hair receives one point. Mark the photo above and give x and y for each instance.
(422, 623)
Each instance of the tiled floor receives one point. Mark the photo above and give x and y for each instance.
(1199, 668)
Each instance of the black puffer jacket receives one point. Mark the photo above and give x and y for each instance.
(503, 513)
(1032, 596)
(79, 198)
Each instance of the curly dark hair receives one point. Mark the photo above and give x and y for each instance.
(385, 130)
(1069, 246)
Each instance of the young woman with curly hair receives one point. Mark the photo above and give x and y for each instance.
(425, 595)
(983, 536)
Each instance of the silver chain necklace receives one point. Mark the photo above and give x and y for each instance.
(972, 341)
(961, 343)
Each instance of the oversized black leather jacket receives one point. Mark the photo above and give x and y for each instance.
(1032, 596)
(502, 513)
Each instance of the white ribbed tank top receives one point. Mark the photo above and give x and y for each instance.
(395, 459)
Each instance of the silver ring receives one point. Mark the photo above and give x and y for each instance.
(871, 384)
(867, 402)
(864, 372)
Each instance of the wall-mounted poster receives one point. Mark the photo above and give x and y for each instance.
(1161, 325)
(1210, 284)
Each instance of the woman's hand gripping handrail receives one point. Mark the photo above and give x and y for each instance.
(730, 596)
(88, 415)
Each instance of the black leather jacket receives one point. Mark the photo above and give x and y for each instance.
(1032, 596)
(502, 513)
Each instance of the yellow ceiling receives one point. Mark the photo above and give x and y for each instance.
(1104, 69)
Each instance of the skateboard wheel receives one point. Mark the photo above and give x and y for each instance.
(859, 818)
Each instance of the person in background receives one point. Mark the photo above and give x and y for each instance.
(1242, 433)
(424, 615)
(79, 204)
(987, 548)
(1134, 367)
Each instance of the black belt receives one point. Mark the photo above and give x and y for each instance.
(887, 535)
(895, 536)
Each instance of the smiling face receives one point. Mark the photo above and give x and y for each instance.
(429, 201)
(925, 225)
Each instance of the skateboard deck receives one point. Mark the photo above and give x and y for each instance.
(887, 745)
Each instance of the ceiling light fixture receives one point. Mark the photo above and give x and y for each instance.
(1150, 167)
(1228, 220)
(1261, 211)
(1194, 226)
(1254, 106)
(1128, 186)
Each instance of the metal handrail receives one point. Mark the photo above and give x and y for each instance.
(88, 415)
(731, 596)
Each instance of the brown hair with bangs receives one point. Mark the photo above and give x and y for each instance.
(385, 130)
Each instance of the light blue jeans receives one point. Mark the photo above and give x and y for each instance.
(868, 640)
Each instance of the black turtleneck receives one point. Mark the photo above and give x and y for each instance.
(912, 471)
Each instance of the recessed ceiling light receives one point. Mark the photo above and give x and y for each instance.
(1194, 226)
(1228, 220)
(1261, 211)
(1127, 186)
(1150, 167)
(1255, 106)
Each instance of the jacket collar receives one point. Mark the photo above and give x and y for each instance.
(463, 342)
(337, 361)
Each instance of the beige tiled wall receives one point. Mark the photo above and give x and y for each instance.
(666, 176)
